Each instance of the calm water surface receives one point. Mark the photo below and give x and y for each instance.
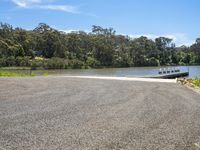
(122, 72)
(116, 72)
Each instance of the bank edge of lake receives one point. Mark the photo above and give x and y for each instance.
(190, 84)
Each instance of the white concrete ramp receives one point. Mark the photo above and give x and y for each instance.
(125, 79)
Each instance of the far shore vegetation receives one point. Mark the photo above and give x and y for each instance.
(48, 48)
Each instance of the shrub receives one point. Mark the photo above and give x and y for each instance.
(10, 61)
(92, 62)
(22, 61)
(56, 63)
(2, 62)
(36, 63)
(153, 62)
(76, 64)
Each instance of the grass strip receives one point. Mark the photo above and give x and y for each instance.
(12, 74)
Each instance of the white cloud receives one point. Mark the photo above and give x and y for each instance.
(65, 8)
(44, 4)
(69, 31)
(26, 3)
(73, 30)
(178, 38)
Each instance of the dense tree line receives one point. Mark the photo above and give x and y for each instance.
(49, 48)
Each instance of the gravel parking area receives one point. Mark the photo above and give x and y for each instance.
(51, 113)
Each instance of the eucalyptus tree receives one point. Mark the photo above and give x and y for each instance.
(195, 48)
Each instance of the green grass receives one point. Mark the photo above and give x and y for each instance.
(197, 82)
(12, 74)
(15, 68)
(45, 74)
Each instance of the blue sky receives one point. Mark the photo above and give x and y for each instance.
(177, 19)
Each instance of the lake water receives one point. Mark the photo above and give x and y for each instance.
(116, 72)
(122, 72)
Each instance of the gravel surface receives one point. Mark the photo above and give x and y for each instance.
(50, 113)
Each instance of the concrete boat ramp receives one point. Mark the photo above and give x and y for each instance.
(124, 78)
